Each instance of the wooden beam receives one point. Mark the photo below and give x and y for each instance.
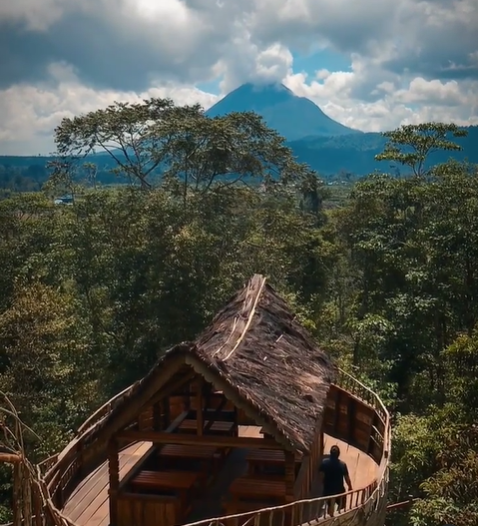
(167, 389)
(205, 440)
(9, 458)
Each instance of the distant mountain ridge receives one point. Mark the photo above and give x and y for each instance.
(327, 146)
(329, 156)
(292, 116)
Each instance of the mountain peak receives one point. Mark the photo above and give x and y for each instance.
(292, 116)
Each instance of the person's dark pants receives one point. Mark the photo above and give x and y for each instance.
(336, 499)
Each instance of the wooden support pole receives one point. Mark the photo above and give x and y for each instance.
(27, 496)
(166, 411)
(113, 467)
(351, 410)
(337, 410)
(289, 475)
(37, 505)
(157, 416)
(199, 406)
(17, 494)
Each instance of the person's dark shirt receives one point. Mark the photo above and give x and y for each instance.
(334, 471)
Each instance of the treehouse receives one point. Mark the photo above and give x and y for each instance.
(226, 430)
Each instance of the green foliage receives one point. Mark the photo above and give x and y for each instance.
(188, 149)
(412, 144)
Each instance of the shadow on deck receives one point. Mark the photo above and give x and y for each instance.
(210, 505)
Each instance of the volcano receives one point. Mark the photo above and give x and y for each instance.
(292, 116)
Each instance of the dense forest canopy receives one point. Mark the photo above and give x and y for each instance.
(92, 293)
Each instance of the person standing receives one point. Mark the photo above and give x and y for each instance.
(334, 472)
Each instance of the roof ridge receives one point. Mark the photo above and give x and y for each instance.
(250, 304)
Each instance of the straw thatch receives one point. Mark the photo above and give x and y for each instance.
(267, 359)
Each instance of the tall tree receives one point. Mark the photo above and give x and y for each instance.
(181, 144)
(412, 144)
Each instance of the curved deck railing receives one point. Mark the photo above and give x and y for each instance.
(61, 473)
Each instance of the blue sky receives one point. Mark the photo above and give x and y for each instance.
(308, 63)
(324, 59)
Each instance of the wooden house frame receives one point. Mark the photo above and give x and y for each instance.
(265, 365)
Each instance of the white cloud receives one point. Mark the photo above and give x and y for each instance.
(411, 61)
(29, 113)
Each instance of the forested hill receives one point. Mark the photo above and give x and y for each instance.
(355, 153)
(329, 156)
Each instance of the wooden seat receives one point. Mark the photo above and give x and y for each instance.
(167, 480)
(259, 459)
(180, 482)
(251, 487)
(209, 457)
(250, 491)
(188, 425)
(221, 428)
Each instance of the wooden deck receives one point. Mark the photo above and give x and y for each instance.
(88, 504)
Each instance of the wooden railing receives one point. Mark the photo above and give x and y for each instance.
(61, 472)
(100, 413)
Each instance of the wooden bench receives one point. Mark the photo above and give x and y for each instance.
(209, 454)
(258, 488)
(222, 428)
(258, 458)
(179, 482)
(249, 491)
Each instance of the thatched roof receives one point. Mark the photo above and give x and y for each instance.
(256, 347)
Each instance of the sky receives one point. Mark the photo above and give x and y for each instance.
(369, 64)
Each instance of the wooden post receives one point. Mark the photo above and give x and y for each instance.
(351, 420)
(199, 406)
(289, 475)
(17, 494)
(337, 409)
(113, 466)
(157, 416)
(27, 496)
(166, 410)
(38, 505)
(321, 444)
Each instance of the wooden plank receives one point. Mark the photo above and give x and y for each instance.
(90, 483)
(250, 431)
(209, 440)
(250, 487)
(98, 493)
(181, 480)
(81, 507)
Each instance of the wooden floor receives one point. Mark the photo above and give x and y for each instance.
(88, 504)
